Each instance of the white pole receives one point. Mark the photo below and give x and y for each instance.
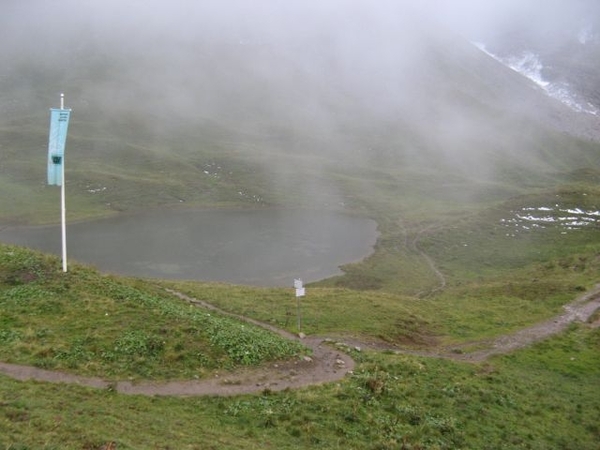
(62, 203)
(299, 293)
(63, 221)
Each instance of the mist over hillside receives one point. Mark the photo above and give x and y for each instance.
(278, 85)
(555, 44)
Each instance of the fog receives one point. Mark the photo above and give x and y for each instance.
(539, 17)
(329, 77)
(189, 54)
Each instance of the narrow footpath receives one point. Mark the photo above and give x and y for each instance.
(328, 362)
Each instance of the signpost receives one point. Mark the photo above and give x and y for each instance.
(59, 123)
(300, 292)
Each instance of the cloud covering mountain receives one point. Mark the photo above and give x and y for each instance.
(384, 84)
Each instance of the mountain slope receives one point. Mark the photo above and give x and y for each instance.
(271, 108)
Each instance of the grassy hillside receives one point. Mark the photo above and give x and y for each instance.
(423, 121)
(98, 325)
(488, 219)
(87, 323)
(531, 400)
(390, 401)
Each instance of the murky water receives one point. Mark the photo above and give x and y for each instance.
(266, 247)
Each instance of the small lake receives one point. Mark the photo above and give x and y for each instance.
(256, 247)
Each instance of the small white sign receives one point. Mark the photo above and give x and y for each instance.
(298, 283)
(300, 292)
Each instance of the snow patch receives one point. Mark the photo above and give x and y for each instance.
(212, 170)
(530, 65)
(544, 216)
(252, 197)
(95, 190)
(587, 35)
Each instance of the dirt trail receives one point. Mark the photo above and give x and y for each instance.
(328, 362)
(580, 310)
(325, 365)
(414, 246)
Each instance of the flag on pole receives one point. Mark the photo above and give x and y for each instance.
(59, 122)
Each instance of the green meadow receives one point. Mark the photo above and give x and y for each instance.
(437, 279)
(488, 222)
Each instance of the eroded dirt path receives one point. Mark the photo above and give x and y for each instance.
(328, 362)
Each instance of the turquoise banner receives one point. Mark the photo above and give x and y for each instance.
(59, 123)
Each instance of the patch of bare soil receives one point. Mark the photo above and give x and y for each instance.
(328, 362)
